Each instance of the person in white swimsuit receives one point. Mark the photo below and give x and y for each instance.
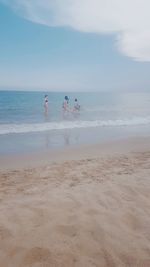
(65, 106)
(76, 106)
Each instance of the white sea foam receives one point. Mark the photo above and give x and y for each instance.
(48, 126)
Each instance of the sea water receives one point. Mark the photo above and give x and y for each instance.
(24, 126)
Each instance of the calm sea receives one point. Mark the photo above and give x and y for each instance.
(24, 125)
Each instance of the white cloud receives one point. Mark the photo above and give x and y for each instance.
(128, 19)
(135, 44)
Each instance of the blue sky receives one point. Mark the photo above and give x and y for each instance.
(45, 56)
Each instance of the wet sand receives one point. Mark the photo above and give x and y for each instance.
(81, 207)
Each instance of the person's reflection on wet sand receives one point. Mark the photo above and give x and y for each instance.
(46, 117)
(76, 138)
(66, 137)
(47, 140)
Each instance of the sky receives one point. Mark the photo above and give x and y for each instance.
(75, 45)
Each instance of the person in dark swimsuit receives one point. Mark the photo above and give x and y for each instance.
(46, 104)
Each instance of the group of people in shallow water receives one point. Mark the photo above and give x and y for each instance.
(66, 109)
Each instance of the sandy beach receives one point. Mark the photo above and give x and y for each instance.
(78, 207)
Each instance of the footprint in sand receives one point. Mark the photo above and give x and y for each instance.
(132, 221)
(108, 257)
(128, 260)
(69, 230)
(42, 257)
(4, 233)
(38, 257)
(92, 212)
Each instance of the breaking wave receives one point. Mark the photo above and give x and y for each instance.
(48, 126)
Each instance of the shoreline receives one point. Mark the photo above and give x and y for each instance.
(59, 155)
(18, 144)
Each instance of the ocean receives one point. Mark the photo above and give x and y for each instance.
(24, 126)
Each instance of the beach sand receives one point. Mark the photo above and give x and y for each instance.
(81, 207)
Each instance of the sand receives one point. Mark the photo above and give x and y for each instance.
(85, 207)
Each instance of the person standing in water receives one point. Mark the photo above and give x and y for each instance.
(76, 107)
(65, 106)
(46, 104)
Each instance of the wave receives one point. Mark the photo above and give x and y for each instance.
(48, 126)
